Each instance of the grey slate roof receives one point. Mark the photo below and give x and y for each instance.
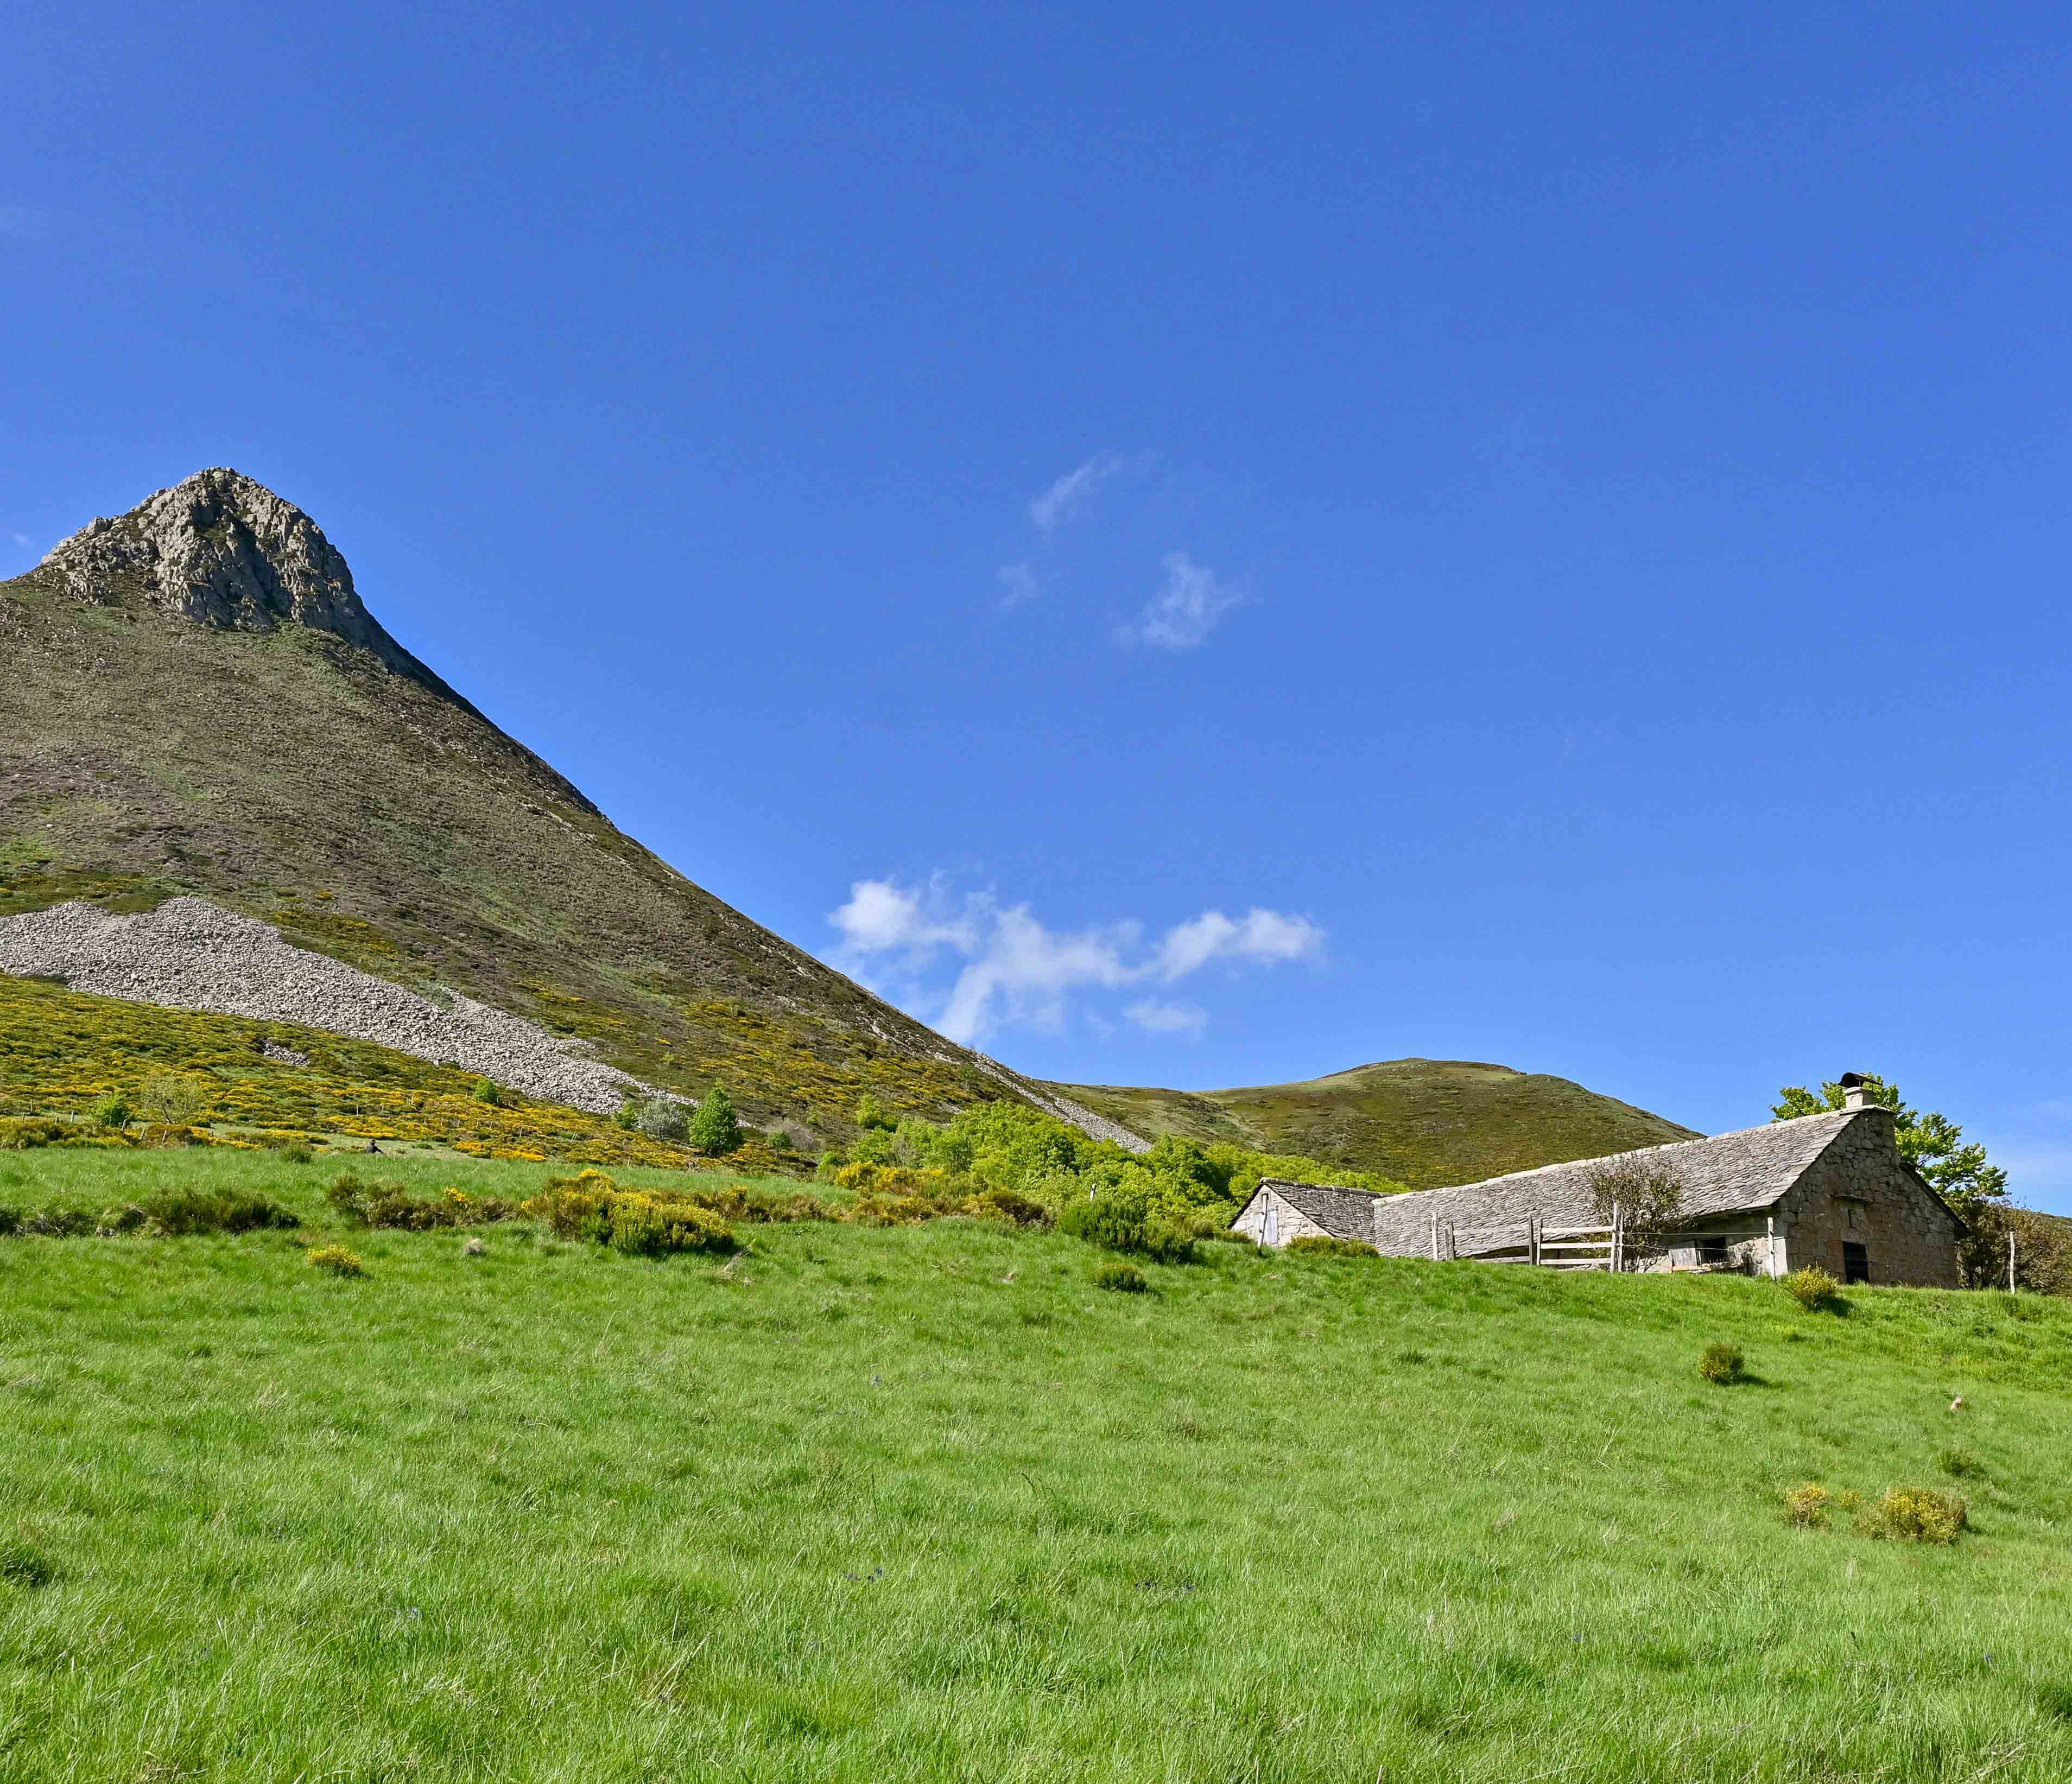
(1343, 1214)
(1744, 1172)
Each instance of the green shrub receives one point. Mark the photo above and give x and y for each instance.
(110, 1112)
(129, 1219)
(1323, 1245)
(777, 1140)
(485, 1091)
(1721, 1364)
(296, 1152)
(715, 1129)
(640, 1223)
(662, 1118)
(1117, 1221)
(337, 1259)
(176, 1100)
(10, 1221)
(1123, 1279)
(1917, 1515)
(186, 1211)
(389, 1204)
(872, 1115)
(1807, 1505)
(1959, 1463)
(57, 1223)
(1813, 1289)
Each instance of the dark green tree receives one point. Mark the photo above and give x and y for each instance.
(1932, 1144)
(715, 1129)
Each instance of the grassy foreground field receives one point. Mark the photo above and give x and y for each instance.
(923, 1504)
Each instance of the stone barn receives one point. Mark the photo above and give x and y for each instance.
(1830, 1190)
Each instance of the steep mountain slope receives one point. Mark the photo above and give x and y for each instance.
(1427, 1122)
(196, 702)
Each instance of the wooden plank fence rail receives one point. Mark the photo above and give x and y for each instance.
(1614, 1247)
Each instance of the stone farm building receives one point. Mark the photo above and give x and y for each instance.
(1830, 1190)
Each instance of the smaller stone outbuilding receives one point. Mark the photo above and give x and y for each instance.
(1830, 1189)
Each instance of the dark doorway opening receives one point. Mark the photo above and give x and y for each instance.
(1712, 1248)
(1855, 1262)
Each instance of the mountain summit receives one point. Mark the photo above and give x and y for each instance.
(221, 549)
(198, 705)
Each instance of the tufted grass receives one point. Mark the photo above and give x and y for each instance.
(923, 1504)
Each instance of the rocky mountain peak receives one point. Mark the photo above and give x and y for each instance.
(222, 550)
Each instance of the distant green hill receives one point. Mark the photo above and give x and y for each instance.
(1424, 1121)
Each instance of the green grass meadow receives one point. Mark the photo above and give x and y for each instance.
(923, 1503)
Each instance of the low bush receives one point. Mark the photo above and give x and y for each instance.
(1323, 1245)
(110, 1111)
(1722, 1364)
(25, 1134)
(1807, 1505)
(186, 1211)
(1120, 1223)
(661, 1118)
(389, 1204)
(48, 1223)
(336, 1260)
(1123, 1279)
(1916, 1514)
(116, 1221)
(486, 1091)
(641, 1223)
(1813, 1289)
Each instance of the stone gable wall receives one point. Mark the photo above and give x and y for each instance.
(1293, 1224)
(1861, 1189)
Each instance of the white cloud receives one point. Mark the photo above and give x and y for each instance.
(1072, 492)
(1018, 582)
(1184, 611)
(881, 917)
(21, 539)
(1157, 1018)
(1018, 971)
(1266, 936)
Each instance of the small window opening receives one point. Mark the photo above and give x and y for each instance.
(1712, 1248)
(1855, 1262)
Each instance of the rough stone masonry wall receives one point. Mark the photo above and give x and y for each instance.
(1908, 1236)
(1292, 1224)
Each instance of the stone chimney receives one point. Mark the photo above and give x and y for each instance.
(1857, 1092)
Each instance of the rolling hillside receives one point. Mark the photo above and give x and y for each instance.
(198, 705)
(1425, 1122)
(196, 702)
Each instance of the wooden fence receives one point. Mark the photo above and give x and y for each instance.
(1615, 1247)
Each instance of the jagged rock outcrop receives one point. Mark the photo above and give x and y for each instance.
(221, 549)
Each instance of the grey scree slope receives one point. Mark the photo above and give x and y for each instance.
(189, 954)
(1726, 1174)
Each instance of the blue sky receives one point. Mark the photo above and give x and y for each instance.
(1192, 545)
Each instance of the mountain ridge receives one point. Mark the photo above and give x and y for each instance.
(200, 705)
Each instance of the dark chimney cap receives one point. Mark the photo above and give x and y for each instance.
(1850, 1079)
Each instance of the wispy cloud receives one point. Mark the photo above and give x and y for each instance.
(21, 539)
(1184, 611)
(1264, 936)
(1015, 970)
(1018, 582)
(1072, 491)
(1157, 1018)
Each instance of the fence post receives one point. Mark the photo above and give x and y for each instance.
(1769, 1234)
(1532, 1238)
(1615, 1239)
(2010, 1263)
(1435, 1235)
